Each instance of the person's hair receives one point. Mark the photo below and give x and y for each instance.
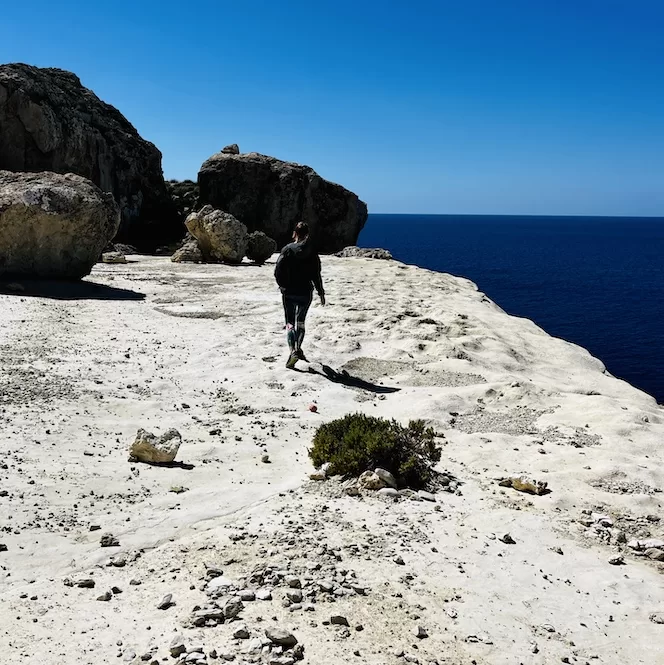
(301, 231)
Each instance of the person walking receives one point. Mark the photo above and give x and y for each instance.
(297, 273)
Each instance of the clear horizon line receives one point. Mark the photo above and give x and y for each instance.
(486, 214)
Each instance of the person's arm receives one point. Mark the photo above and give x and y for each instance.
(318, 280)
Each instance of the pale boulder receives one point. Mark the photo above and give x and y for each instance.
(53, 226)
(220, 236)
(151, 449)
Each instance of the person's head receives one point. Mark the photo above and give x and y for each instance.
(301, 232)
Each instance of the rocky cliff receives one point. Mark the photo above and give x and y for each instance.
(50, 122)
(270, 195)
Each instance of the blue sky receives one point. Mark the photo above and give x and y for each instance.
(492, 106)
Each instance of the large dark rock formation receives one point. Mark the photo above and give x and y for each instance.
(50, 122)
(269, 195)
(53, 225)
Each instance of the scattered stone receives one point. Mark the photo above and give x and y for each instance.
(232, 607)
(113, 257)
(524, 484)
(3, 547)
(655, 554)
(507, 539)
(109, 540)
(107, 595)
(617, 561)
(387, 478)
(241, 633)
(263, 594)
(166, 602)
(155, 450)
(427, 496)
(388, 492)
(265, 459)
(95, 527)
(646, 544)
(247, 595)
(338, 620)
(420, 632)
(84, 583)
(399, 560)
(281, 637)
(370, 480)
(657, 617)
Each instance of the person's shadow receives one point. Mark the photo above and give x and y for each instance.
(347, 379)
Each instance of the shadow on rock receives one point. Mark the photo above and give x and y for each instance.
(65, 290)
(347, 379)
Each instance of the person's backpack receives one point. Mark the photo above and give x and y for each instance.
(284, 268)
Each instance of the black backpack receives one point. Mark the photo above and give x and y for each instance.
(284, 268)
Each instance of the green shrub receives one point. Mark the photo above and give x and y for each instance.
(357, 443)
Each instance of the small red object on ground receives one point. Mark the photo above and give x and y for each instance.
(313, 408)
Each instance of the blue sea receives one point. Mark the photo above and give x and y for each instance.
(594, 281)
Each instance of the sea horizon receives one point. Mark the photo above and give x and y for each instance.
(600, 290)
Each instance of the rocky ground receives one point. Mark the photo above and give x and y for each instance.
(232, 554)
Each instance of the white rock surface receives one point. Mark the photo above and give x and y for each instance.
(80, 377)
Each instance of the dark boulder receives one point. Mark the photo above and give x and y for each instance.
(232, 149)
(184, 194)
(50, 122)
(269, 195)
(260, 247)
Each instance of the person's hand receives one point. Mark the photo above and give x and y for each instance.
(322, 299)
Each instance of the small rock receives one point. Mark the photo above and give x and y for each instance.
(166, 602)
(151, 449)
(263, 594)
(388, 492)
(399, 560)
(109, 540)
(617, 561)
(281, 636)
(232, 607)
(657, 617)
(655, 554)
(387, 478)
(95, 527)
(338, 620)
(247, 595)
(293, 582)
(369, 480)
(113, 257)
(507, 539)
(420, 632)
(107, 595)
(85, 583)
(524, 484)
(177, 647)
(241, 633)
(265, 459)
(427, 496)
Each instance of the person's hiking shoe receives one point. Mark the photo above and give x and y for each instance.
(301, 356)
(290, 363)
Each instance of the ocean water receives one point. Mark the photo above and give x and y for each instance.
(594, 281)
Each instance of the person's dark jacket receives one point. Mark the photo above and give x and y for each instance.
(303, 267)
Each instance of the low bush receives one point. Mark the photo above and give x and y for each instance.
(357, 443)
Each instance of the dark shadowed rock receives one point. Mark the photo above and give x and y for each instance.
(232, 149)
(269, 195)
(220, 236)
(365, 252)
(184, 194)
(50, 122)
(53, 226)
(260, 248)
